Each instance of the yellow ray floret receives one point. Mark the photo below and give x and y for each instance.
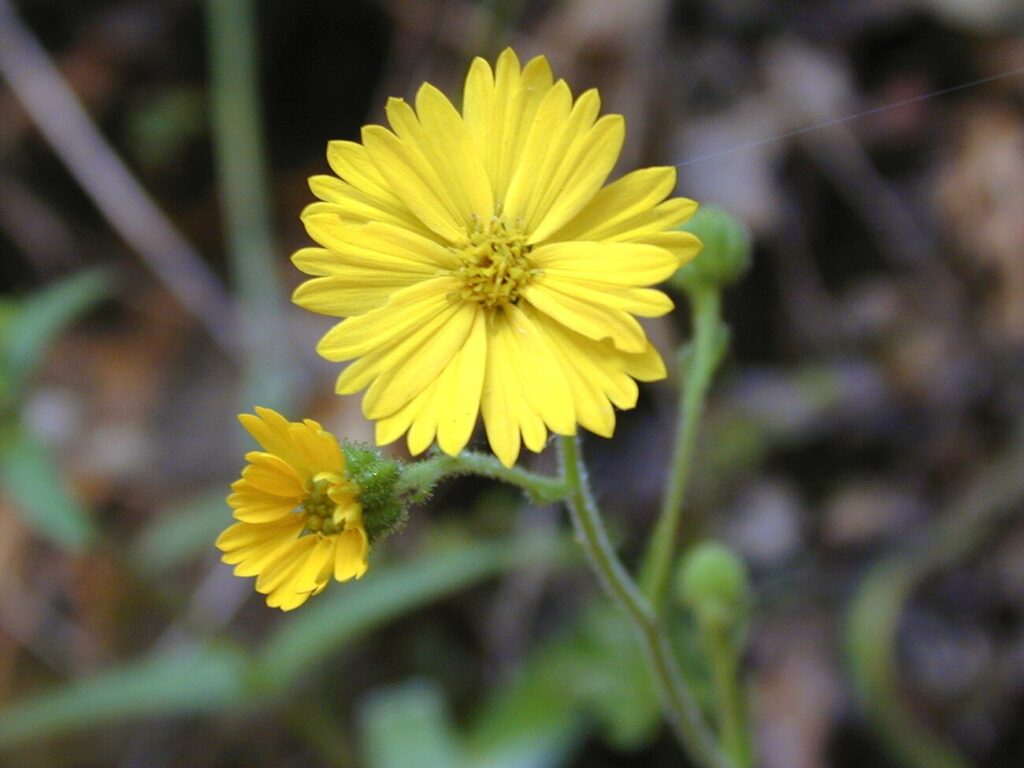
(483, 268)
(299, 518)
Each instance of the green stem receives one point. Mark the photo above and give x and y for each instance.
(696, 371)
(872, 624)
(729, 701)
(680, 707)
(244, 192)
(419, 478)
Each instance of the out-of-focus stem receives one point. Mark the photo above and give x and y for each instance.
(678, 702)
(122, 201)
(244, 191)
(723, 657)
(873, 618)
(696, 372)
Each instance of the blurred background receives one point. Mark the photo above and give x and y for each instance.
(862, 448)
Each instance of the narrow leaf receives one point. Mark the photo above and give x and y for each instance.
(409, 725)
(31, 328)
(349, 610)
(180, 533)
(200, 681)
(40, 492)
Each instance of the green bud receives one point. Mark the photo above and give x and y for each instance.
(725, 257)
(377, 477)
(712, 581)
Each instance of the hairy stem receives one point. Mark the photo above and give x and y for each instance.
(680, 707)
(418, 479)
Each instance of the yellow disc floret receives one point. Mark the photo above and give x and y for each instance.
(320, 512)
(496, 264)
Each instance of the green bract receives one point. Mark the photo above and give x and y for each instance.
(377, 477)
(725, 257)
(713, 582)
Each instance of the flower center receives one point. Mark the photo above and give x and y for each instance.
(496, 264)
(319, 511)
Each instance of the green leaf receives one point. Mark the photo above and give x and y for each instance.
(409, 725)
(217, 678)
(28, 331)
(575, 682)
(37, 486)
(172, 684)
(531, 721)
(871, 628)
(609, 668)
(346, 612)
(181, 532)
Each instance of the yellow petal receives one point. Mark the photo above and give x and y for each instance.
(316, 566)
(352, 206)
(662, 217)
(259, 557)
(683, 245)
(407, 310)
(499, 108)
(350, 552)
(546, 144)
(270, 430)
(351, 162)
(260, 509)
(459, 389)
(284, 570)
(591, 320)
(272, 474)
(317, 448)
(599, 363)
(645, 366)
(396, 385)
(412, 177)
(505, 412)
(423, 426)
(633, 194)
(390, 428)
(617, 263)
(644, 302)
(500, 423)
(448, 145)
(238, 539)
(286, 600)
(579, 176)
(398, 352)
(378, 246)
(540, 373)
(591, 404)
(354, 293)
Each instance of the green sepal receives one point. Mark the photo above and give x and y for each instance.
(377, 478)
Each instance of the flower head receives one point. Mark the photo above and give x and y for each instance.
(300, 517)
(483, 267)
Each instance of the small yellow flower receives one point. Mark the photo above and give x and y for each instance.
(300, 520)
(484, 268)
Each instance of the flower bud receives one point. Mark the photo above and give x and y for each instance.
(725, 257)
(712, 581)
(376, 476)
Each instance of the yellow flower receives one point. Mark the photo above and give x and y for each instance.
(482, 268)
(300, 521)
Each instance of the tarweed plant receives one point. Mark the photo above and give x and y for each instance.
(484, 271)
